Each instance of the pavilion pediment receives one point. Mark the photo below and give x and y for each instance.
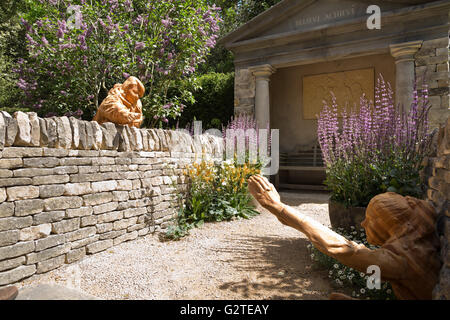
(297, 15)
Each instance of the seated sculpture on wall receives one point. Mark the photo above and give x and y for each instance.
(123, 105)
(403, 227)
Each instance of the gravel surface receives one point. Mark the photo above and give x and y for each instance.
(242, 259)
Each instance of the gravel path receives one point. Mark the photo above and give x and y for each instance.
(243, 259)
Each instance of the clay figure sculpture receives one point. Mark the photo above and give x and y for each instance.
(9, 293)
(123, 105)
(403, 228)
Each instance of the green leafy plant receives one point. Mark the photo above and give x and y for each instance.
(75, 54)
(344, 277)
(217, 192)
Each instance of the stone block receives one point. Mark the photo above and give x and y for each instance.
(48, 217)
(124, 223)
(43, 134)
(6, 209)
(99, 246)
(97, 134)
(47, 162)
(65, 170)
(5, 173)
(106, 207)
(90, 138)
(76, 189)
(112, 234)
(124, 141)
(82, 233)
(2, 195)
(11, 129)
(145, 145)
(9, 237)
(11, 263)
(46, 254)
(50, 264)
(64, 132)
(88, 221)
(137, 138)
(436, 43)
(110, 136)
(35, 232)
(97, 198)
(75, 255)
(28, 207)
(11, 163)
(50, 242)
(75, 132)
(2, 131)
(59, 153)
(103, 186)
(84, 242)
(104, 227)
(52, 132)
(11, 223)
(35, 129)
(16, 250)
(62, 203)
(143, 232)
(33, 172)
(133, 212)
(120, 196)
(79, 212)
(22, 152)
(109, 216)
(126, 237)
(51, 190)
(54, 179)
(17, 274)
(23, 137)
(65, 226)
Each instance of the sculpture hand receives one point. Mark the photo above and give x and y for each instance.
(265, 193)
(132, 116)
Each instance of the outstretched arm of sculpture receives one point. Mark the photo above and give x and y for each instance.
(350, 253)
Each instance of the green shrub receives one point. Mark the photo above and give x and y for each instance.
(213, 101)
(216, 192)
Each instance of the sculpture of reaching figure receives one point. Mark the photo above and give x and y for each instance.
(123, 105)
(403, 227)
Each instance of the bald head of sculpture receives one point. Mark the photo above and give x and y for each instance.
(391, 215)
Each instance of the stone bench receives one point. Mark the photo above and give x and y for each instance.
(305, 161)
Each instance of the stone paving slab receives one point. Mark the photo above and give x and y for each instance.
(52, 292)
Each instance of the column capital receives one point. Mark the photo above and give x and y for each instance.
(263, 71)
(405, 51)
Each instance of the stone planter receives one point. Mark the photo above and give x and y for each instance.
(342, 217)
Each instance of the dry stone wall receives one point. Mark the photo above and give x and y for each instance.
(70, 188)
(437, 172)
(432, 65)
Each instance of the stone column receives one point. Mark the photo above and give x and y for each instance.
(262, 75)
(404, 71)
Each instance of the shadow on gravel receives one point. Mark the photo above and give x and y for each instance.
(274, 268)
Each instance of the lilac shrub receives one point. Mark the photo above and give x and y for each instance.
(377, 149)
(77, 53)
